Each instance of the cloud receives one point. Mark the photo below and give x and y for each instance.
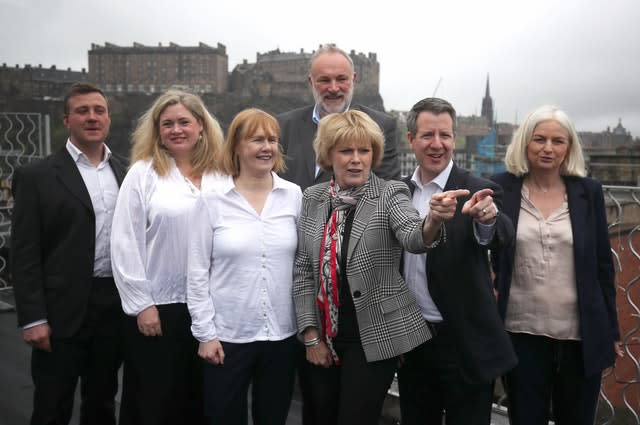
(580, 54)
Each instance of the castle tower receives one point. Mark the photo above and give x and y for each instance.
(487, 106)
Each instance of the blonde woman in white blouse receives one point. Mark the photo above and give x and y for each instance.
(242, 242)
(174, 149)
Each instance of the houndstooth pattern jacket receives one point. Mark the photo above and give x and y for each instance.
(384, 223)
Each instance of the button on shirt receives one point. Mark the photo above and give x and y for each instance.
(102, 186)
(415, 265)
(149, 241)
(241, 264)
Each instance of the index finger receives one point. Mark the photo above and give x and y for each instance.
(456, 193)
(483, 193)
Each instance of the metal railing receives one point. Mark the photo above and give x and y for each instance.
(24, 137)
(620, 393)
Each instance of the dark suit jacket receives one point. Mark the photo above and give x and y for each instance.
(389, 319)
(595, 275)
(53, 242)
(460, 284)
(298, 131)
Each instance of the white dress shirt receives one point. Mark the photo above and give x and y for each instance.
(415, 265)
(102, 186)
(149, 239)
(241, 264)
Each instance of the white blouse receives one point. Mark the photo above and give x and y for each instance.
(241, 264)
(149, 236)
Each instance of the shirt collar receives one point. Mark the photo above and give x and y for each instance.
(315, 114)
(440, 180)
(77, 155)
(228, 185)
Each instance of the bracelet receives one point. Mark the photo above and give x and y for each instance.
(312, 342)
(442, 238)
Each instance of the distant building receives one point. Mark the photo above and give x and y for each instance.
(618, 168)
(284, 74)
(487, 106)
(153, 69)
(608, 139)
(37, 82)
(275, 73)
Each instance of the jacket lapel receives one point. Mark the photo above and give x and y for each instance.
(364, 211)
(70, 177)
(322, 213)
(307, 132)
(578, 210)
(119, 169)
(511, 199)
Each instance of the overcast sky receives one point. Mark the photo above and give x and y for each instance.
(583, 55)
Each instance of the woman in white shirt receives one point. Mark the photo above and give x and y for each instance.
(242, 242)
(174, 152)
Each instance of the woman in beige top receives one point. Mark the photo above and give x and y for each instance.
(556, 283)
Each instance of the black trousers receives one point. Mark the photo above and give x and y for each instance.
(162, 379)
(352, 393)
(268, 366)
(304, 383)
(550, 376)
(92, 356)
(432, 386)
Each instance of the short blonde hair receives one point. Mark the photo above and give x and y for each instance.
(516, 157)
(147, 144)
(245, 124)
(345, 127)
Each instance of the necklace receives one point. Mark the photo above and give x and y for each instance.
(192, 186)
(538, 187)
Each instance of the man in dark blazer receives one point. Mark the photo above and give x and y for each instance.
(452, 375)
(67, 303)
(331, 78)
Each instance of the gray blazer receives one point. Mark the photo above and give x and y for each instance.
(384, 223)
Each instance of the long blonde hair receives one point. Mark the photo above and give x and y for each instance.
(146, 137)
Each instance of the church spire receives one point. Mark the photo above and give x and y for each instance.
(487, 105)
(486, 92)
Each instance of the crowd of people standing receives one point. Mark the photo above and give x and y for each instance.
(212, 267)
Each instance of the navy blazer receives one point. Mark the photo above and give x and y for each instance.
(53, 242)
(298, 131)
(595, 276)
(459, 281)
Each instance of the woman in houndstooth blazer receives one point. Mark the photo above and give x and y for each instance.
(354, 311)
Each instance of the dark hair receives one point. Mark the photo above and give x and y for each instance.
(81, 88)
(434, 105)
